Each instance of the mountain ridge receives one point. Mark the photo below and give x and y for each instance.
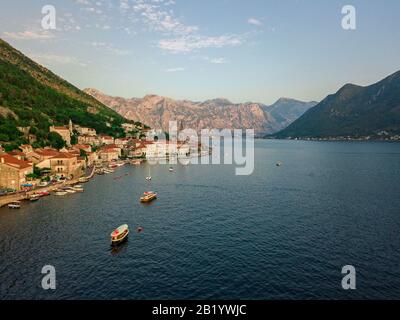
(352, 111)
(219, 113)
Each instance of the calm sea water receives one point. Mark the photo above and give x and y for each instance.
(281, 233)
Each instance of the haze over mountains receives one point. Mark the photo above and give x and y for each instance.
(353, 111)
(157, 111)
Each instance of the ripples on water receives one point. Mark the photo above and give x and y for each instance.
(281, 233)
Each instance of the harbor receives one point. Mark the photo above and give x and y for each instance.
(213, 235)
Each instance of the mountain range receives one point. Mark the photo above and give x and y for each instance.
(156, 111)
(354, 111)
(32, 98)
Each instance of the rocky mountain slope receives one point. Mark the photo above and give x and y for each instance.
(157, 111)
(33, 98)
(353, 111)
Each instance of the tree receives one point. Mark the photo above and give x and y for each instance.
(55, 140)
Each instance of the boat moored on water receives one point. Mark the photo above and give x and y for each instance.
(14, 205)
(120, 234)
(34, 198)
(148, 196)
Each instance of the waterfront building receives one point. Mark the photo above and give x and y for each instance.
(13, 172)
(63, 164)
(109, 153)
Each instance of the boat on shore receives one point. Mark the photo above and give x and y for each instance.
(78, 188)
(44, 193)
(14, 205)
(83, 180)
(119, 235)
(60, 192)
(69, 190)
(148, 196)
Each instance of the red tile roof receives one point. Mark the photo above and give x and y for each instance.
(14, 162)
(64, 155)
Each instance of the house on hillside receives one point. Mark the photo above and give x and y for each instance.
(64, 132)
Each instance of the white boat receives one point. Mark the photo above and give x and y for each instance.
(34, 198)
(78, 188)
(69, 190)
(171, 169)
(60, 193)
(14, 205)
(120, 234)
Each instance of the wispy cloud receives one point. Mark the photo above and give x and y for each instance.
(218, 61)
(170, 70)
(191, 43)
(254, 22)
(29, 35)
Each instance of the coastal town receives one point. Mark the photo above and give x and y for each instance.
(27, 173)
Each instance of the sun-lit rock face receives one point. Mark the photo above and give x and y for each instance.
(156, 111)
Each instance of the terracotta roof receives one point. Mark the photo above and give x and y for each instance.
(46, 152)
(108, 151)
(110, 146)
(14, 162)
(63, 155)
(16, 153)
(61, 128)
(81, 146)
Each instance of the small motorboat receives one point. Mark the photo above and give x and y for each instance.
(44, 193)
(171, 169)
(279, 164)
(34, 198)
(14, 205)
(148, 196)
(83, 180)
(60, 193)
(139, 229)
(78, 188)
(120, 234)
(70, 190)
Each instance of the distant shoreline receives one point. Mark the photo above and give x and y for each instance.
(332, 139)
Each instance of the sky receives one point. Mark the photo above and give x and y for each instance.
(242, 50)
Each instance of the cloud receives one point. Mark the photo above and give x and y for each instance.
(29, 35)
(175, 69)
(218, 61)
(254, 22)
(191, 43)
